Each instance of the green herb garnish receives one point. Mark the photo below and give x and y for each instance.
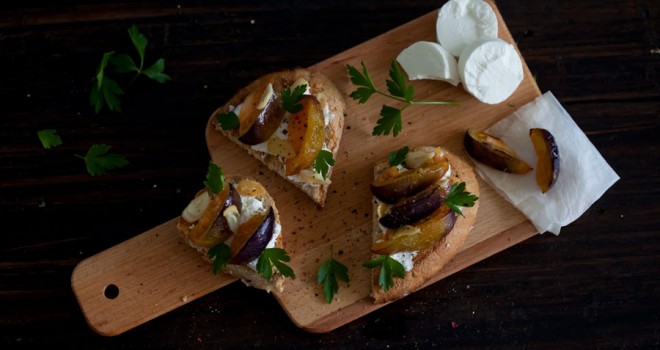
(459, 197)
(228, 121)
(291, 99)
(106, 90)
(329, 271)
(221, 254)
(99, 159)
(323, 162)
(215, 179)
(49, 138)
(124, 63)
(389, 268)
(390, 120)
(274, 257)
(397, 157)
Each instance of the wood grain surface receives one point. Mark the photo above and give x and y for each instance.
(597, 285)
(147, 290)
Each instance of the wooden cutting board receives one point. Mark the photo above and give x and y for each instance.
(155, 272)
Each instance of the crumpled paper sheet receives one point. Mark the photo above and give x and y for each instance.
(584, 175)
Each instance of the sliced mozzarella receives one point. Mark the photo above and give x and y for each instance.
(428, 60)
(461, 22)
(490, 70)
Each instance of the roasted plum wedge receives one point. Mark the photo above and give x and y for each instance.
(412, 209)
(202, 233)
(306, 131)
(252, 237)
(268, 117)
(493, 152)
(547, 153)
(392, 185)
(413, 238)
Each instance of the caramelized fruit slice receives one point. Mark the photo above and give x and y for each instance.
(250, 110)
(268, 118)
(425, 233)
(199, 233)
(248, 187)
(220, 230)
(493, 152)
(547, 152)
(252, 237)
(311, 121)
(412, 209)
(391, 185)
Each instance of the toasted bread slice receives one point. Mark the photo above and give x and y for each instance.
(252, 191)
(428, 261)
(331, 103)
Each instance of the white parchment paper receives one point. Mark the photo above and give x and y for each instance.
(583, 178)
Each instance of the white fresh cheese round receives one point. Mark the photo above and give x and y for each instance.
(461, 22)
(490, 70)
(429, 60)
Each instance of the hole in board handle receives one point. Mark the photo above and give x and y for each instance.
(111, 291)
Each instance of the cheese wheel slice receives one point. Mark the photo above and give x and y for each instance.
(429, 60)
(461, 22)
(490, 70)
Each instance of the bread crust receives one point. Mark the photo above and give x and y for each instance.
(247, 275)
(430, 260)
(329, 97)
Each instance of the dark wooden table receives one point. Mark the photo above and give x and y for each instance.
(596, 285)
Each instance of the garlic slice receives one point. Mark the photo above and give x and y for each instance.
(415, 159)
(233, 217)
(266, 96)
(196, 207)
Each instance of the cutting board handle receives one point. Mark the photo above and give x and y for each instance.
(141, 279)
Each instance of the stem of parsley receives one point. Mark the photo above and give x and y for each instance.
(397, 89)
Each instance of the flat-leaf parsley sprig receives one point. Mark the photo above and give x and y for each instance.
(105, 90)
(99, 160)
(389, 268)
(458, 197)
(328, 273)
(390, 120)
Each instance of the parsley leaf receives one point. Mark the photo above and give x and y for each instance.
(276, 257)
(123, 63)
(396, 90)
(290, 98)
(215, 179)
(323, 162)
(228, 121)
(459, 197)
(139, 41)
(99, 159)
(390, 122)
(155, 72)
(389, 268)
(397, 157)
(328, 273)
(105, 90)
(221, 254)
(397, 84)
(363, 80)
(49, 138)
